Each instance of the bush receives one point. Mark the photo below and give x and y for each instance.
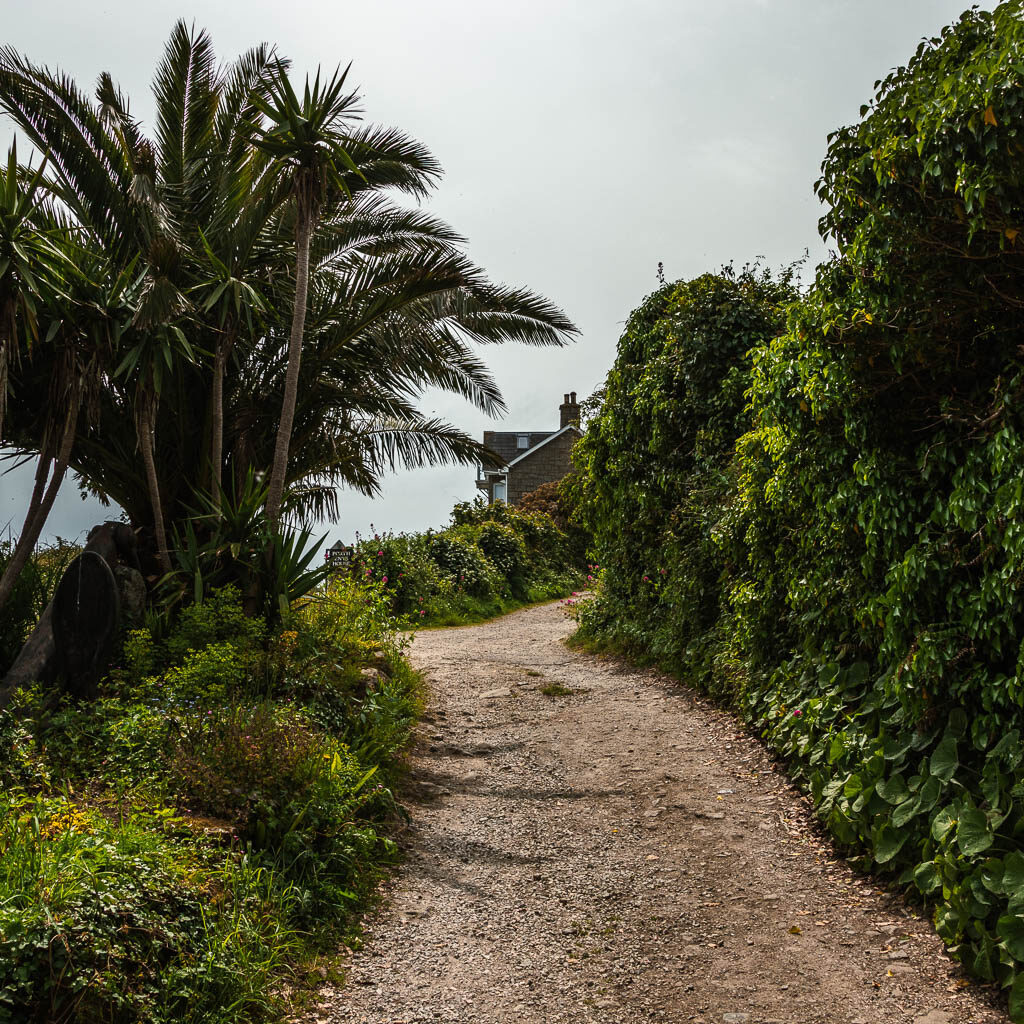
(655, 460)
(463, 563)
(490, 559)
(171, 849)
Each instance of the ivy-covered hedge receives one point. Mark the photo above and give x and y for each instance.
(490, 559)
(849, 573)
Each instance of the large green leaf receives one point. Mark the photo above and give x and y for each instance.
(1017, 999)
(1013, 874)
(893, 790)
(973, 834)
(905, 811)
(927, 877)
(944, 761)
(1011, 935)
(943, 823)
(888, 842)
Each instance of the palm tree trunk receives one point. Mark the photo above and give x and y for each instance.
(224, 345)
(275, 488)
(3, 384)
(148, 415)
(40, 502)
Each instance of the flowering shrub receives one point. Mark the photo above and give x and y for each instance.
(464, 563)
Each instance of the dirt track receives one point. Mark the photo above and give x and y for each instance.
(621, 854)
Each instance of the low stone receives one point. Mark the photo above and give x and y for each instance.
(492, 694)
(934, 1017)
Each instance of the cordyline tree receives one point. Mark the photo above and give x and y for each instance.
(259, 313)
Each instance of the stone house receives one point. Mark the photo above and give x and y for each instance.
(530, 458)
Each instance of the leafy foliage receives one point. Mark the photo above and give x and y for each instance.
(490, 559)
(655, 458)
(170, 850)
(859, 599)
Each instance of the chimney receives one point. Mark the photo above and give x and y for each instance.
(569, 411)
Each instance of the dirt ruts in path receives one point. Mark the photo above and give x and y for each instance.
(621, 853)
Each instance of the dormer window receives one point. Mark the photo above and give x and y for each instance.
(523, 441)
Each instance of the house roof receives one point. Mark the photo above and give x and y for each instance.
(505, 443)
(536, 447)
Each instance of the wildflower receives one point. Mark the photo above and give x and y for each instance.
(590, 578)
(384, 580)
(797, 713)
(379, 553)
(422, 612)
(647, 579)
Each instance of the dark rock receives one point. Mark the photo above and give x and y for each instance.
(86, 621)
(115, 543)
(132, 590)
(114, 547)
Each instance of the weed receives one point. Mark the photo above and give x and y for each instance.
(558, 690)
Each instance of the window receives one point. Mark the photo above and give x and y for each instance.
(523, 441)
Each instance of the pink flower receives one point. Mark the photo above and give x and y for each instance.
(384, 580)
(422, 612)
(379, 553)
(797, 713)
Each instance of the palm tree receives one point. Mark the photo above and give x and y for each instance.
(248, 253)
(306, 139)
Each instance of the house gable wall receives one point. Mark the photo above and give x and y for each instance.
(550, 462)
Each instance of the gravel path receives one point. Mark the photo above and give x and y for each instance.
(621, 853)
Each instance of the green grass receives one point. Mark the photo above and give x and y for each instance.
(559, 690)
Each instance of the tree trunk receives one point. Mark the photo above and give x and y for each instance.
(275, 489)
(148, 425)
(4, 363)
(41, 503)
(224, 345)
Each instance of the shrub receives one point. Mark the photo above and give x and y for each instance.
(464, 563)
(505, 551)
(655, 459)
(170, 849)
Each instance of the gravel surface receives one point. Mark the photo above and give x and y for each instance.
(620, 853)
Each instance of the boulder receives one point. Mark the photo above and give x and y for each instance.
(86, 622)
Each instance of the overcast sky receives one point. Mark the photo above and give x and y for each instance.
(582, 142)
